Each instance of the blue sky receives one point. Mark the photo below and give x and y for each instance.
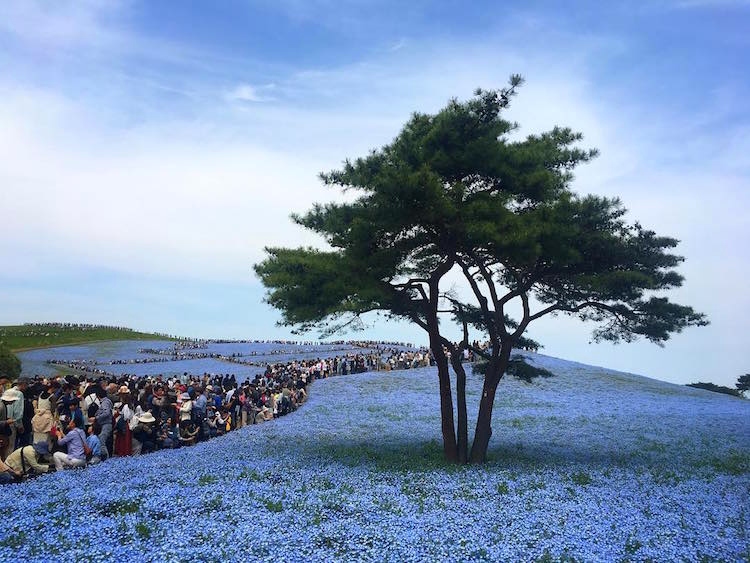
(150, 150)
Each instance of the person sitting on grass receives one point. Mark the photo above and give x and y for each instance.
(188, 433)
(25, 462)
(214, 428)
(169, 436)
(73, 440)
(144, 434)
(94, 442)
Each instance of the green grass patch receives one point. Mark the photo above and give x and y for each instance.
(251, 474)
(273, 505)
(734, 463)
(120, 507)
(26, 337)
(14, 540)
(581, 478)
(414, 458)
(143, 531)
(207, 480)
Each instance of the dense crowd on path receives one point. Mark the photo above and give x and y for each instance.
(68, 422)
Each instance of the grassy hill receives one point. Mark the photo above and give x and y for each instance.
(589, 465)
(26, 337)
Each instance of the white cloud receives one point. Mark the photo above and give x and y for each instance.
(245, 93)
(63, 23)
(197, 192)
(398, 45)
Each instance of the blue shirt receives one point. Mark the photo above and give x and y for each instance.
(73, 440)
(200, 404)
(104, 412)
(95, 444)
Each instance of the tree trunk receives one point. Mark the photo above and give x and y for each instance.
(463, 422)
(446, 401)
(483, 431)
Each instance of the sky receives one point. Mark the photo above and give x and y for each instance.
(149, 151)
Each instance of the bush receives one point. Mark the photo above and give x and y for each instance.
(10, 365)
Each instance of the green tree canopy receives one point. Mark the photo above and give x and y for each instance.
(10, 365)
(743, 383)
(457, 192)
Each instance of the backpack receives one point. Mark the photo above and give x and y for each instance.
(93, 407)
(121, 425)
(87, 451)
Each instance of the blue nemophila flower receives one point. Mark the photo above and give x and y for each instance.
(590, 464)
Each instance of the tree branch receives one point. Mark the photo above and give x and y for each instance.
(578, 308)
(491, 326)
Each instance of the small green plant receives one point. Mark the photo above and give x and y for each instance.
(143, 530)
(207, 480)
(581, 478)
(252, 474)
(664, 476)
(14, 540)
(632, 545)
(120, 507)
(502, 488)
(214, 504)
(273, 505)
(537, 485)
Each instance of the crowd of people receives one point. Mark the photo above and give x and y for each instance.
(76, 422)
(67, 422)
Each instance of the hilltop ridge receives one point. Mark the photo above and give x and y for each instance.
(41, 335)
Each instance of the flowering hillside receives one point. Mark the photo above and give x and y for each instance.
(589, 465)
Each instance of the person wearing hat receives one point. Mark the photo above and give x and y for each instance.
(25, 460)
(12, 400)
(144, 434)
(186, 409)
(6, 426)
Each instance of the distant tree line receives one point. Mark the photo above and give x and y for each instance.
(742, 385)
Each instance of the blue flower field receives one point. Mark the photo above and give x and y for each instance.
(589, 465)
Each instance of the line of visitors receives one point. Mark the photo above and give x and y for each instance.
(73, 422)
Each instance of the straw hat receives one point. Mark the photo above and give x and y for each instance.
(148, 417)
(124, 389)
(10, 395)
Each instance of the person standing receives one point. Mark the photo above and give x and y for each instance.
(104, 419)
(6, 427)
(123, 440)
(13, 401)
